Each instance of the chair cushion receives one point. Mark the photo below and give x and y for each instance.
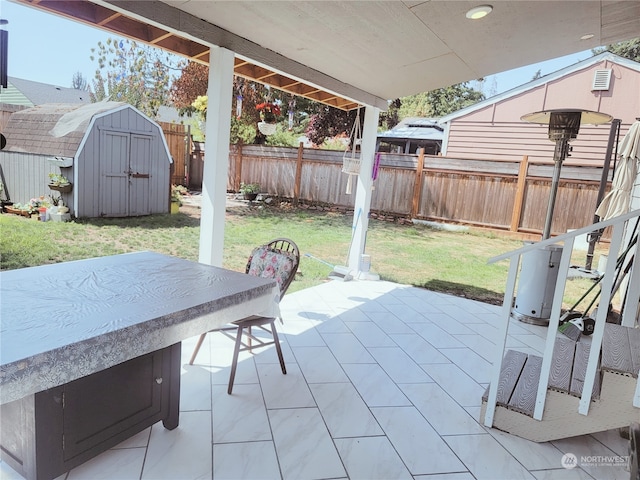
(268, 263)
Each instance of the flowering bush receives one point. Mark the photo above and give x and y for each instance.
(268, 111)
(177, 192)
(200, 104)
(33, 205)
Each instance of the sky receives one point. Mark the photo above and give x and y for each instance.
(45, 48)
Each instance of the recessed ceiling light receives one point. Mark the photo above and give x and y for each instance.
(588, 36)
(479, 12)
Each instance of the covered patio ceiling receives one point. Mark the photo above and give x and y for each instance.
(362, 52)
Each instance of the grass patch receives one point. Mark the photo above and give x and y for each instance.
(444, 261)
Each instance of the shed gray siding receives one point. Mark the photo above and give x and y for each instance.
(121, 163)
(27, 176)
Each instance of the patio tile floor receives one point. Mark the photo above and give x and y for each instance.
(384, 381)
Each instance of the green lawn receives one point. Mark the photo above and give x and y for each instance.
(451, 262)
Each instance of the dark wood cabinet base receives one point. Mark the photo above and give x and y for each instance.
(51, 432)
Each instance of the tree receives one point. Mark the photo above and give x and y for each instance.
(489, 87)
(450, 99)
(79, 82)
(128, 72)
(629, 49)
(192, 83)
(442, 101)
(330, 122)
(415, 106)
(391, 117)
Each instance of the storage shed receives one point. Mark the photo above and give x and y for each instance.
(115, 157)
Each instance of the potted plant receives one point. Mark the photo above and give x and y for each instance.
(22, 209)
(177, 192)
(250, 190)
(59, 182)
(58, 205)
(269, 113)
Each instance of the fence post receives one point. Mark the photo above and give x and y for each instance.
(188, 149)
(238, 177)
(519, 200)
(296, 185)
(417, 186)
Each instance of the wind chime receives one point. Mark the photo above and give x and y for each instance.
(292, 106)
(239, 98)
(351, 157)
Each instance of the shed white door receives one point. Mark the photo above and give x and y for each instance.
(125, 164)
(140, 174)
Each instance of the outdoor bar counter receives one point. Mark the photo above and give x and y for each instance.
(90, 350)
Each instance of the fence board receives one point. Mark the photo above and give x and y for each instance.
(178, 142)
(461, 190)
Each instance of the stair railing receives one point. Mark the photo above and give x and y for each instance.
(630, 311)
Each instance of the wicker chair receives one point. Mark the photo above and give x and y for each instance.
(278, 259)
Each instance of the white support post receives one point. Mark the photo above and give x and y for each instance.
(601, 318)
(363, 191)
(632, 294)
(216, 157)
(552, 329)
(501, 340)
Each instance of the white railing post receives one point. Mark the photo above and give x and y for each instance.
(632, 296)
(601, 318)
(596, 340)
(501, 340)
(552, 329)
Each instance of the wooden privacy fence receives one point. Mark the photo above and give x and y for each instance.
(505, 195)
(178, 137)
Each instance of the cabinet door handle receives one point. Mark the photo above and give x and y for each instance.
(159, 380)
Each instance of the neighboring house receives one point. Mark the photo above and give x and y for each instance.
(26, 93)
(492, 129)
(30, 94)
(21, 94)
(411, 134)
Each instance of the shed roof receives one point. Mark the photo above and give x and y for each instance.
(53, 129)
(29, 93)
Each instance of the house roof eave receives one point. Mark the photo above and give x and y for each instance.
(541, 81)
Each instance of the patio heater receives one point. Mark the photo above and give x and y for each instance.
(539, 271)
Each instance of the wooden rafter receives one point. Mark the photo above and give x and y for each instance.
(104, 18)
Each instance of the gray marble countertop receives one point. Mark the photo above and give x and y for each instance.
(64, 321)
